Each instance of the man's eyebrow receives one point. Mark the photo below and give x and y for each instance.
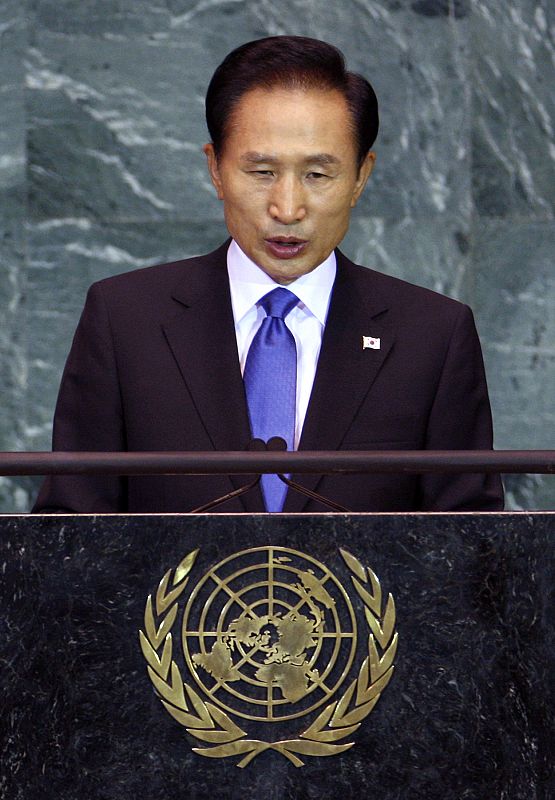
(258, 158)
(325, 159)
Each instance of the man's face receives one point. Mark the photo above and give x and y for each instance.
(288, 177)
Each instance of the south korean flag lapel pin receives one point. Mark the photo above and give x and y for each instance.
(371, 343)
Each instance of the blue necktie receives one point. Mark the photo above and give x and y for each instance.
(271, 384)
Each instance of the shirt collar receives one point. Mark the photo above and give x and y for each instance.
(248, 283)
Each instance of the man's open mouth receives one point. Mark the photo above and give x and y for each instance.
(286, 246)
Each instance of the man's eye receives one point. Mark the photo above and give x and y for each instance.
(262, 172)
(317, 175)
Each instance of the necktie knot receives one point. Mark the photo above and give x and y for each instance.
(279, 302)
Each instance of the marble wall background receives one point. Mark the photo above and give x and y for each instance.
(101, 171)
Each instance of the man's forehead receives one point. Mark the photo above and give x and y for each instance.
(255, 157)
(272, 101)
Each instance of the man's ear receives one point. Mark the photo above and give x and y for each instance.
(363, 174)
(213, 170)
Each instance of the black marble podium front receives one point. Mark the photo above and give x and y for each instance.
(467, 714)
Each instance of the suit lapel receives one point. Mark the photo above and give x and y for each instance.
(346, 370)
(202, 338)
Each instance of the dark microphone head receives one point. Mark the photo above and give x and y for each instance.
(256, 445)
(276, 443)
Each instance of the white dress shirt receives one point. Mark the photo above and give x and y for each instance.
(248, 284)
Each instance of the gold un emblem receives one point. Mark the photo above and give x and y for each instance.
(269, 636)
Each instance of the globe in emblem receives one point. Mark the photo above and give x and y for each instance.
(269, 634)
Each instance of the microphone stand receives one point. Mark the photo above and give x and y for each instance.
(313, 495)
(255, 445)
(275, 444)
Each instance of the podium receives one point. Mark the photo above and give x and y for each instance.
(270, 660)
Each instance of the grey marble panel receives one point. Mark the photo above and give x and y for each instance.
(513, 81)
(515, 305)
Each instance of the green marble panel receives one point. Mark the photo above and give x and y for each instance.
(116, 102)
(515, 305)
(513, 126)
(13, 368)
(429, 252)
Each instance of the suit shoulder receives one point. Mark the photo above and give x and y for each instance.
(161, 277)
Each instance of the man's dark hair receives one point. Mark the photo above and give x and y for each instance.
(290, 62)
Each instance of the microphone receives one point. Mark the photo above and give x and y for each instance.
(275, 444)
(255, 445)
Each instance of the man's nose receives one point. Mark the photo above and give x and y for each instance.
(288, 201)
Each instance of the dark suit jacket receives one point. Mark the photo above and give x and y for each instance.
(154, 366)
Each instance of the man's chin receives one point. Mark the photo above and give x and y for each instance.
(284, 272)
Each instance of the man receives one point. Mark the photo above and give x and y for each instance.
(182, 356)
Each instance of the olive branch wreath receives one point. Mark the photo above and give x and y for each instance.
(205, 721)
